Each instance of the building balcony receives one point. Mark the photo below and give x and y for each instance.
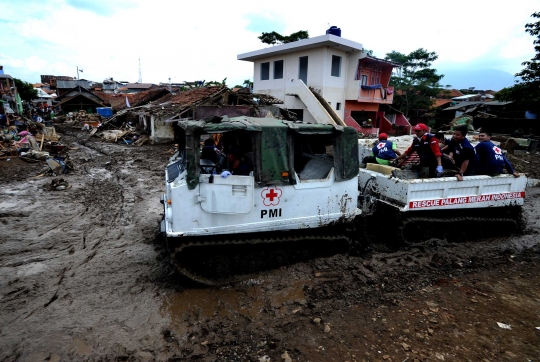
(376, 94)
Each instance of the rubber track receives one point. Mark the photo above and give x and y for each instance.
(431, 221)
(242, 241)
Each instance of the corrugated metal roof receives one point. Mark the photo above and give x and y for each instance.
(68, 84)
(80, 95)
(139, 85)
(462, 105)
(497, 103)
(467, 96)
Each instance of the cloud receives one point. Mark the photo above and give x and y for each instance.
(100, 7)
(265, 22)
(189, 41)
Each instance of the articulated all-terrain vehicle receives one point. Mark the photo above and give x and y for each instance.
(305, 194)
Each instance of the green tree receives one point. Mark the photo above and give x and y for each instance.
(526, 93)
(248, 83)
(415, 83)
(26, 90)
(274, 38)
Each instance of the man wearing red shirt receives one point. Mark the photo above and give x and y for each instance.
(427, 148)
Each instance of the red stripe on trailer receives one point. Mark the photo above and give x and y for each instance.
(466, 200)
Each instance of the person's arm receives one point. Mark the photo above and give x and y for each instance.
(394, 148)
(462, 170)
(509, 167)
(408, 152)
(434, 145)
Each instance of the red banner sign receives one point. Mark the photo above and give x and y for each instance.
(466, 200)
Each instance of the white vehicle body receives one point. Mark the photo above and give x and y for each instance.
(236, 205)
(442, 193)
(297, 182)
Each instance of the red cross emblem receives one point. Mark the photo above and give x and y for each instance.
(271, 196)
(497, 150)
(380, 145)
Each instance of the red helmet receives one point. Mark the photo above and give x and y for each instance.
(421, 127)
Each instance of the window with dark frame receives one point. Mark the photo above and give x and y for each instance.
(338, 106)
(303, 69)
(278, 69)
(336, 66)
(265, 71)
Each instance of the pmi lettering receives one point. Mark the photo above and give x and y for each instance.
(271, 213)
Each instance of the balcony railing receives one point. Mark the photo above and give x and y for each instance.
(383, 95)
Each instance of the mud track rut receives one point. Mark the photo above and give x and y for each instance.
(68, 254)
(83, 277)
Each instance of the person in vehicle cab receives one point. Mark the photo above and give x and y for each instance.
(443, 142)
(384, 150)
(427, 148)
(237, 165)
(463, 154)
(210, 151)
(491, 158)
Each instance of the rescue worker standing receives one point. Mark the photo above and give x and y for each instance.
(492, 160)
(463, 154)
(427, 148)
(384, 150)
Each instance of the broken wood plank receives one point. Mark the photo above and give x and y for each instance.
(41, 145)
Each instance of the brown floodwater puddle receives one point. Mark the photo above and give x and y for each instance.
(249, 301)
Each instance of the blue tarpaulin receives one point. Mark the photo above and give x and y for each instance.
(374, 86)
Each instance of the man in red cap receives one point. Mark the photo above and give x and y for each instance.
(427, 148)
(384, 150)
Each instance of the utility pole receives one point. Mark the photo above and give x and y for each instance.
(79, 70)
(140, 75)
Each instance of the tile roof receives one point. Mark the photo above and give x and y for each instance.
(118, 101)
(451, 93)
(190, 96)
(440, 102)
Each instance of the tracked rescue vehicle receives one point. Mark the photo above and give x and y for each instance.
(305, 195)
(302, 191)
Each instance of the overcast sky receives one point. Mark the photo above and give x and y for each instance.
(200, 40)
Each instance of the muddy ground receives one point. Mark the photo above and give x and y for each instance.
(84, 277)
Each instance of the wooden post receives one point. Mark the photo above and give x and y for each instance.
(42, 138)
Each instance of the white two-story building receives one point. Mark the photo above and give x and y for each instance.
(354, 83)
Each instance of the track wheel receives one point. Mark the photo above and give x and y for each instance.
(251, 262)
(219, 266)
(277, 258)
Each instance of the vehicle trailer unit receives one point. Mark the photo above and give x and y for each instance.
(442, 193)
(422, 209)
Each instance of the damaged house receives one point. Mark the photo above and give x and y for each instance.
(78, 99)
(159, 117)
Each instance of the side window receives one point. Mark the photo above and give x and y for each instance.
(364, 79)
(338, 106)
(265, 71)
(336, 66)
(278, 69)
(313, 156)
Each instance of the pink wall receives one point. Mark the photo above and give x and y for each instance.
(401, 120)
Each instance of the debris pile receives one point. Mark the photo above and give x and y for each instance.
(34, 142)
(57, 184)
